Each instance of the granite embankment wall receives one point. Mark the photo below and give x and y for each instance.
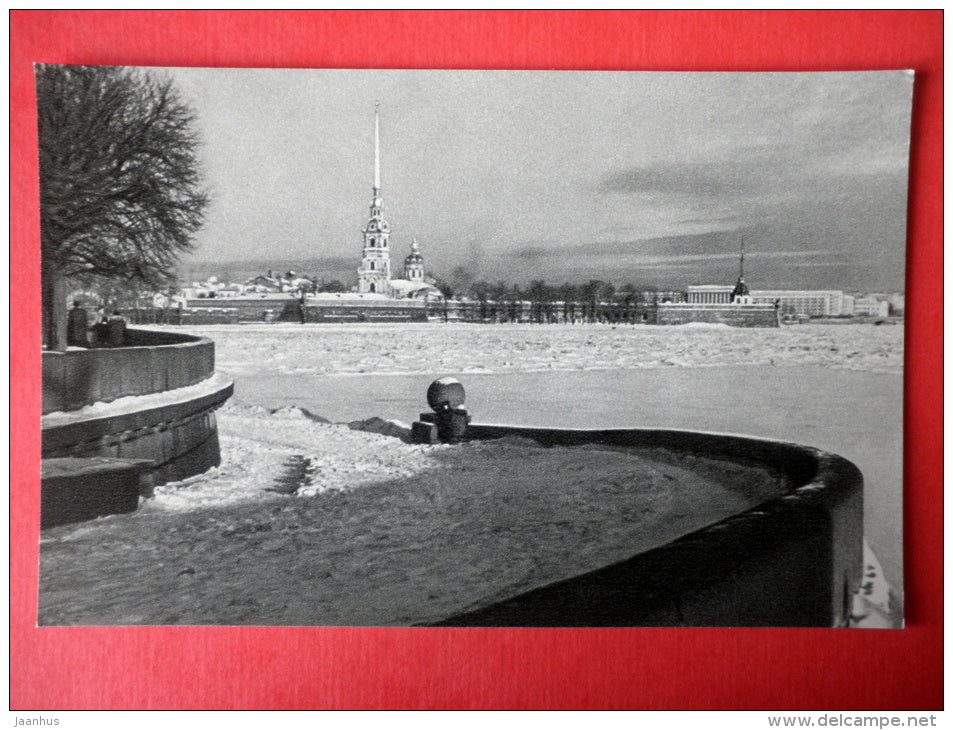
(148, 362)
(370, 311)
(174, 433)
(735, 315)
(793, 561)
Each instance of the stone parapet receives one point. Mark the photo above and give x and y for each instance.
(141, 414)
(179, 436)
(74, 489)
(796, 560)
(148, 362)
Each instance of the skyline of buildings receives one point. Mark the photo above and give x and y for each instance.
(567, 176)
(374, 274)
(809, 303)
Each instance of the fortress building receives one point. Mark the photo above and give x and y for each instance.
(374, 273)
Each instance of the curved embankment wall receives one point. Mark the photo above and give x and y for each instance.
(148, 362)
(174, 430)
(793, 561)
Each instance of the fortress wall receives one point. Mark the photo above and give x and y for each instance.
(368, 311)
(149, 362)
(731, 314)
(288, 309)
(792, 561)
(265, 307)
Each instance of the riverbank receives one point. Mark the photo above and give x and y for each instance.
(309, 523)
(837, 388)
(312, 523)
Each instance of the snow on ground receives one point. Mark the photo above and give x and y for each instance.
(259, 444)
(228, 547)
(471, 348)
(460, 527)
(131, 403)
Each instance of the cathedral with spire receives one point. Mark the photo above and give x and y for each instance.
(374, 273)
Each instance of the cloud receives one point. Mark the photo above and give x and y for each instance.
(699, 179)
(595, 251)
(632, 259)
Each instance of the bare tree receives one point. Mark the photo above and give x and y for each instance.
(445, 287)
(333, 286)
(120, 192)
(481, 290)
(460, 280)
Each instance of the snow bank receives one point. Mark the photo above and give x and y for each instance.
(258, 443)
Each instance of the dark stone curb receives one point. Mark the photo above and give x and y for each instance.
(793, 561)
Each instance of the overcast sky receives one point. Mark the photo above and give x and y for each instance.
(565, 176)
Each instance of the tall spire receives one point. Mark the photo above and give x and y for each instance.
(739, 295)
(373, 276)
(377, 148)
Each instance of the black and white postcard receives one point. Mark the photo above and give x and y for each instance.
(432, 347)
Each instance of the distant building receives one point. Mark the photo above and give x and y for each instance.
(374, 273)
(797, 302)
(897, 303)
(263, 284)
(720, 304)
(738, 293)
(709, 294)
(211, 288)
(871, 306)
(803, 303)
(414, 263)
(847, 306)
(656, 297)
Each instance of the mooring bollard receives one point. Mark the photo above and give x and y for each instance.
(449, 420)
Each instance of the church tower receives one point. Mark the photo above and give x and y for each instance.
(414, 264)
(373, 276)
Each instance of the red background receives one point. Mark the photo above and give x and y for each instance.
(345, 668)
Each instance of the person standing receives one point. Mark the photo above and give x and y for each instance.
(77, 326)
(97, 332)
